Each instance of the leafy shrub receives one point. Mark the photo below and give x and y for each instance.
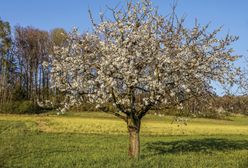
(20, 107)
(8, 107)
(28, 107)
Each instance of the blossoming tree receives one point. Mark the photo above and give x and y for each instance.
(138, 59)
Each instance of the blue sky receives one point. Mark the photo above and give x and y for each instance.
(49, 14)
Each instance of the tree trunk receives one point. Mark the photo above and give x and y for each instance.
(133, 124)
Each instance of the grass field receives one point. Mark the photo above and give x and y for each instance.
(100, 140)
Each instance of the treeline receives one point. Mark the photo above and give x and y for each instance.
(24, 80)
(210, 107)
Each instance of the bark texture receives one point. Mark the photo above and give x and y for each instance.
(133, 124)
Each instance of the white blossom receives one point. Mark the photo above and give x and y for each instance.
(136, 62)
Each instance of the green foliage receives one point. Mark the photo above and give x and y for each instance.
(58, 36)
(7, 107)
(24, 144)
(20, 107)
(27, 107)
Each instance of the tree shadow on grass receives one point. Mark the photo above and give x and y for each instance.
(199, 145)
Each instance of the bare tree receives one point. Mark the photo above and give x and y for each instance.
(6, 60)
(33, 47)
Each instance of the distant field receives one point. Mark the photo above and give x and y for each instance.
(100, 140)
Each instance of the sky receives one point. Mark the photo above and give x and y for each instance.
(49, 14)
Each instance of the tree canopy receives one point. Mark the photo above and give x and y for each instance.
(138, 59)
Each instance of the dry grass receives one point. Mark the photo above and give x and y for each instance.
(100, 123)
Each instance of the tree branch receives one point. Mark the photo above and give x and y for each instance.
(119, 106)
(144, 110)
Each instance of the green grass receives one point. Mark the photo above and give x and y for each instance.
(100, 140)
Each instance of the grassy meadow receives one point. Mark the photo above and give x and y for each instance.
(92, 139)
